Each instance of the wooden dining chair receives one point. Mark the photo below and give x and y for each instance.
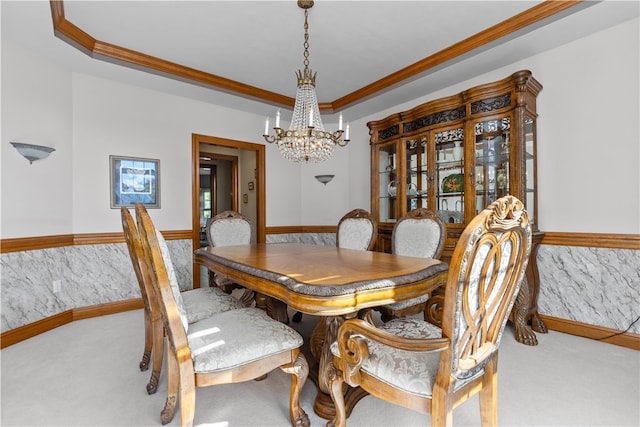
(229, 228)
(199, 303)
(229, 347)
(415, 364)
(419, 233)
(356, 230)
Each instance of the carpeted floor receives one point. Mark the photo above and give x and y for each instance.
(86, 374)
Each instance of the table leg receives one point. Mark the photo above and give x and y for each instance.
(325, 333)
(276, 309)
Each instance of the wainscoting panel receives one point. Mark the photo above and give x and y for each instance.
(325, 239)
(90, 275)
(597, 286)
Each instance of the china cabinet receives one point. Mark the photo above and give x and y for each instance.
(456, 155)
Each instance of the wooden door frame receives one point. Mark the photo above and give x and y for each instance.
(196, 140)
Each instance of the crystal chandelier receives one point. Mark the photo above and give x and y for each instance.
(306, 138)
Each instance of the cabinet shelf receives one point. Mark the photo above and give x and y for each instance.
(449, 164)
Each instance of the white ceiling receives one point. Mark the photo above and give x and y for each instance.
(260, 43)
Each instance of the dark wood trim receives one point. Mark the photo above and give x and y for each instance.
(97, 49)
(45, 242)
(36, 328)
(97, 238)
(33, 243)
(592, 240)
(176, 234)
(611, 336)
(106, 309)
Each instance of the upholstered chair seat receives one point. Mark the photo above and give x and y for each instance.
(410, 372)
(248, 335)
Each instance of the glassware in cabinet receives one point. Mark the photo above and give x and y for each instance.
(449, 175)
(492, 161)
(387, 182)
(416, 154)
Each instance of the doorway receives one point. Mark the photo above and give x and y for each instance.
(227, 175)
(218, 186)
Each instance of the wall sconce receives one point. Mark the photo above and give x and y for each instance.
(32, 152)
(324, 178)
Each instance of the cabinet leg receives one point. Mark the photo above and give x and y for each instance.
(525, 309)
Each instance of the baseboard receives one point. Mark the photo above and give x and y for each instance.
(36, 328)
(106, 309)
(611, 336)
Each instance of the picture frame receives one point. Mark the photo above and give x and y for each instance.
(134, 180)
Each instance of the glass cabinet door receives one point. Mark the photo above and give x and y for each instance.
(492, 159)
(417, 174)
(449, 175)
(530, 168)
(387, 182)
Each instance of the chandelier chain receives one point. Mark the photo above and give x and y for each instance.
(306, 40)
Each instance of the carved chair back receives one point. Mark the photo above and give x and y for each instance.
(228, 228)
(487, 268)
(419, 233)
(356, 230)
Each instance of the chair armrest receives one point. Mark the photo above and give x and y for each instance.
(358, 327)
(354, 350)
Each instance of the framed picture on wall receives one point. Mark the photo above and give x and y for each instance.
(134, 180)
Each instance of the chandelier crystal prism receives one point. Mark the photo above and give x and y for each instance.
(306, 140)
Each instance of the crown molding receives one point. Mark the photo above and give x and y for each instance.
(101, 50)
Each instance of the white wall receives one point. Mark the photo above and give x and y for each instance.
(112, 118)
(588, 145)
(36, 109)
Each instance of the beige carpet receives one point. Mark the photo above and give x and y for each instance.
(86, 374)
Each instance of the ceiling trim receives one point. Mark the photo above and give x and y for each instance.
(76, 37)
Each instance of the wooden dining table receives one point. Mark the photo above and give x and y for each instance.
(325, 281)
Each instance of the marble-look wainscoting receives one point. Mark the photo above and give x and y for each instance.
(597, 286)
(326, 239)
(89, 274)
